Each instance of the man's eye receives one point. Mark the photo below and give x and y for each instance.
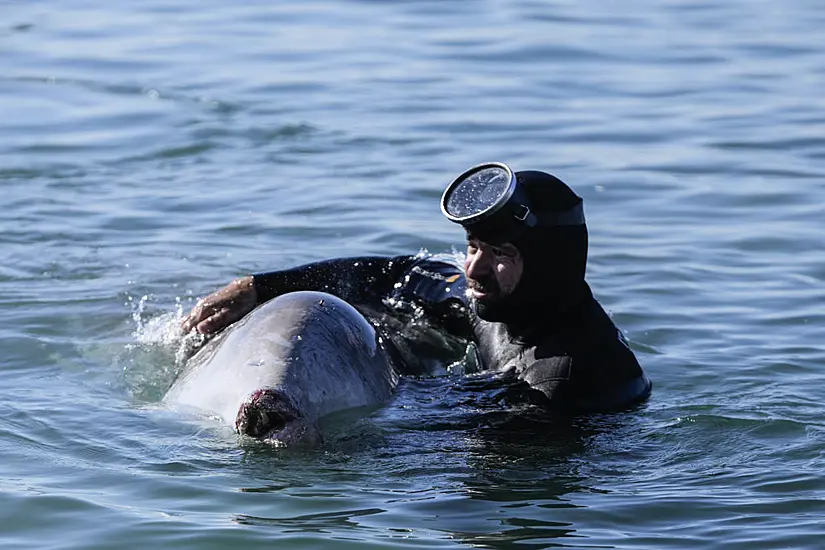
(504, 252)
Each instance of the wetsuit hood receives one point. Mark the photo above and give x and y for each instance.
(555, 259)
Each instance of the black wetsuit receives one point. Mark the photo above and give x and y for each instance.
(571, 360)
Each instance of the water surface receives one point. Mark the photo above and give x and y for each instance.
(150, 152)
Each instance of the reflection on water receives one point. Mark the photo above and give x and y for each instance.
(450, 456)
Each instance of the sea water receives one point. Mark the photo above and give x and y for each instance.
(152, 151)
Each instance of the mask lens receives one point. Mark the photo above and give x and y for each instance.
(478, 192)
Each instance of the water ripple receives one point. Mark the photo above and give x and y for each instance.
(151, 152)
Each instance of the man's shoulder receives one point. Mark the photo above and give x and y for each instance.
(447, 266)
(434, 279)
(594, 329)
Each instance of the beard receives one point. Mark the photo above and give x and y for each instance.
(496, 307)
(492, 311)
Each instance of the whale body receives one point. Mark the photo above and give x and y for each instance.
(293, 360)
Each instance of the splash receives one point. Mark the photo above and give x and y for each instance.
(159, 347)
(165, 330)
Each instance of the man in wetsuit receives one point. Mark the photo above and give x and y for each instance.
(521, 296)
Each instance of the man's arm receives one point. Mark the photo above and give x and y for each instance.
(364, 280)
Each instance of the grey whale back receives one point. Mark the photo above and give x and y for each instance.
(300, 356)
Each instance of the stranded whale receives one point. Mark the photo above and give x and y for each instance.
(289, 362)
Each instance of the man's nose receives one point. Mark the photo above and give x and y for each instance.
(478, 264)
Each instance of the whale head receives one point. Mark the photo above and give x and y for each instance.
(271, 416)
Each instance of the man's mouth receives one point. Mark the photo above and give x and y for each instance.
(483, 292)
(479, 294)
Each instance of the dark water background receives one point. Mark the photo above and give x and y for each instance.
(151, 151)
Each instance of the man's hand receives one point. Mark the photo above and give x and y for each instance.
(222, 308)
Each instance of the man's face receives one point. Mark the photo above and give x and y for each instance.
(493, 271)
